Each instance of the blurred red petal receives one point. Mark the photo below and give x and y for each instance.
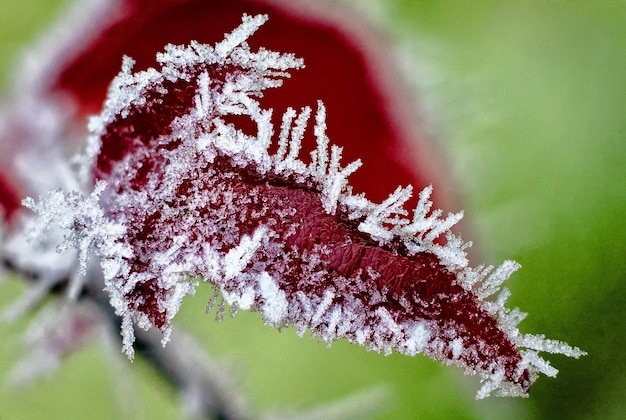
(9, 199)
(346, 67)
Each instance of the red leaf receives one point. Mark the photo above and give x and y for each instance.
(199, 195)
(192, 181)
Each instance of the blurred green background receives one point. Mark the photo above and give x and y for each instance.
(528, 99)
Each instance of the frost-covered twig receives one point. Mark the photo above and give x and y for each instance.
(206, 388)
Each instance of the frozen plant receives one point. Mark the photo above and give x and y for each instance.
(187, 177)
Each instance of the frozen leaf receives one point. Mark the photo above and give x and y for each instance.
(198, 184)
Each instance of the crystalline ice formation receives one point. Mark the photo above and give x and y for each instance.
(193, 179)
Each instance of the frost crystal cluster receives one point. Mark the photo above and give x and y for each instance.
(194, 181)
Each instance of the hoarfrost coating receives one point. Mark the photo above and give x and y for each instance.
(189, 183)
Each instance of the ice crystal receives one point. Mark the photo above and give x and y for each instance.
(192, 182)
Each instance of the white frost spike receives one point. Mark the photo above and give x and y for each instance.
(533, 359)
(237, 258)
(322, 308)
(297, 134)
(203, 101)
(283, 139)
(540, 343)
(290, 142)
(421, 211)
(430, 227)
(492, 284)
(240, 35)
(493, 382)
(336, 180)
(128, 336)
(275, 304)
(319, 157)
(382, 214)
